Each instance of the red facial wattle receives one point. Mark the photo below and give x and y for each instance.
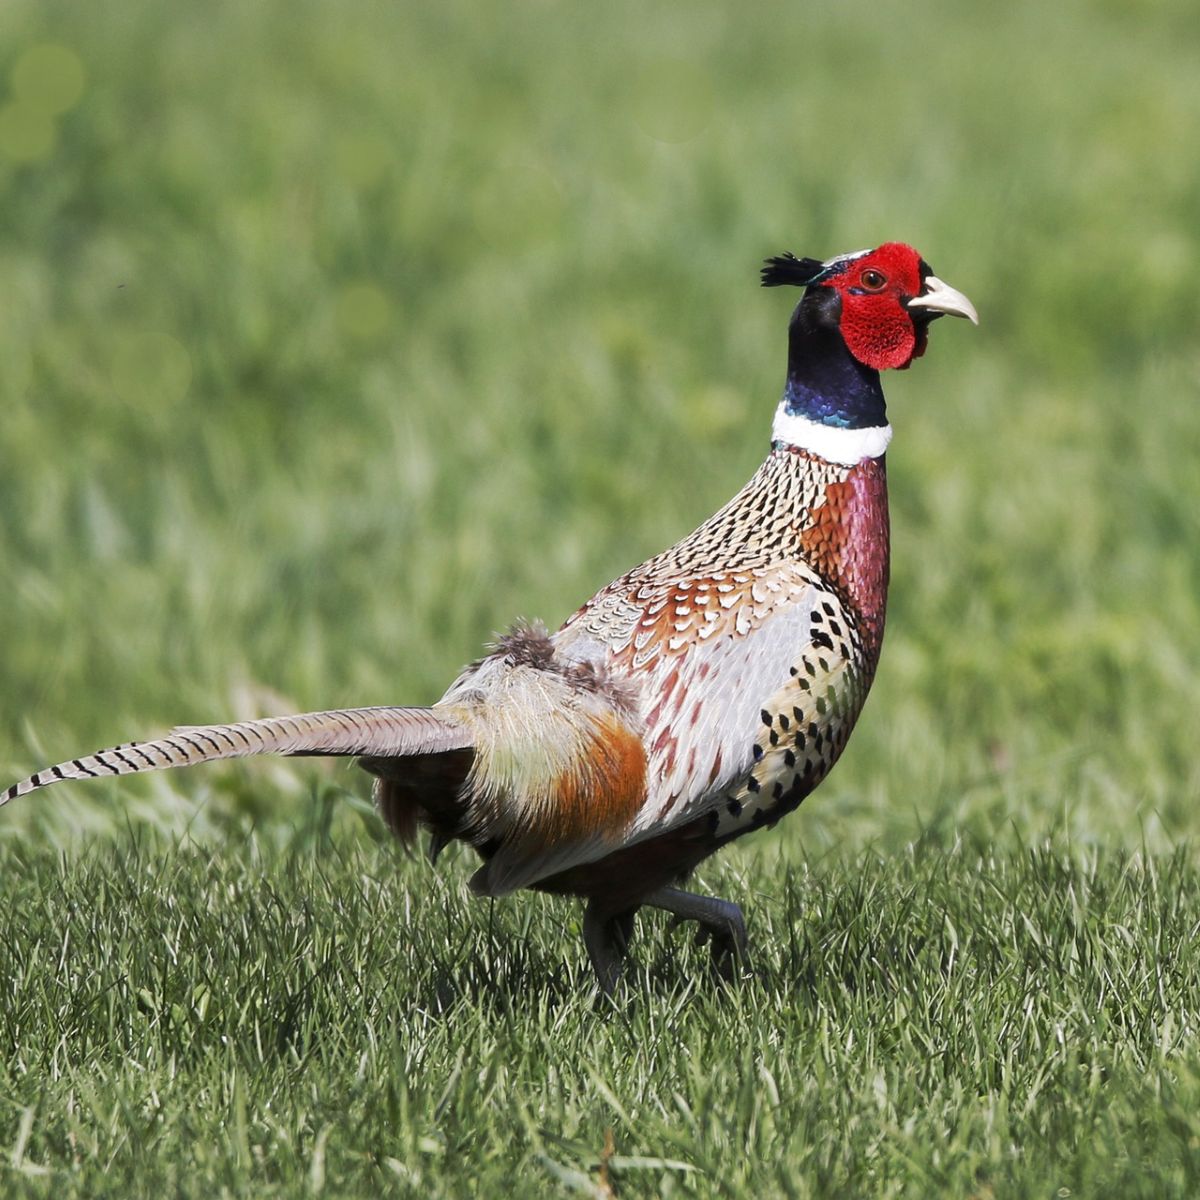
(874, 288)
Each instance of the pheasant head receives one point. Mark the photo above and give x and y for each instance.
(862, 313)
(882, 301)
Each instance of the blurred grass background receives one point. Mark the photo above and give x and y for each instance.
(332, 338)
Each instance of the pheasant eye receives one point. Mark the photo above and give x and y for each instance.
(873, 280)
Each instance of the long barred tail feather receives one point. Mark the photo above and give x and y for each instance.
(377, 732)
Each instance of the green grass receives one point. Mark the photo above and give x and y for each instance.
(937, 1022)
(335, 337)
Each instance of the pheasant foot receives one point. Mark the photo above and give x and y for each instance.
(720, 921)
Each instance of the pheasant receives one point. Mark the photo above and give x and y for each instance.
(699, 697)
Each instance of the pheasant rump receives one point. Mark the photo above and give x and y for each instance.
(699, 697)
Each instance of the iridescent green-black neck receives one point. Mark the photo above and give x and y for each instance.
(825, 382)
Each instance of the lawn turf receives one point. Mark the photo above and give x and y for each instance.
(327, 1016)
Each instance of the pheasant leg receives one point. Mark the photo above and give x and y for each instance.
(606, 937)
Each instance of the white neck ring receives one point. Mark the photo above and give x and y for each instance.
(830, 442)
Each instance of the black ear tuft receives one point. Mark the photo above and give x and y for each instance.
(788, 269)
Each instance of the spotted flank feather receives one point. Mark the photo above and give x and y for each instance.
(381, 732)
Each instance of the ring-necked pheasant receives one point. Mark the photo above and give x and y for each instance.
(699, 697)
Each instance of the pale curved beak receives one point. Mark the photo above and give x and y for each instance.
(940, 297)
